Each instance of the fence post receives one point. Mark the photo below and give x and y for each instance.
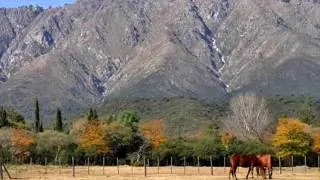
(118, 166)
(103, 164)
(224, 164)
(211, 165)
(292, 164)
(1, 170)
(171, 165)
(145, 166)
(305, 163)
(73, 168)
(45, 165)
(198, 165)
(279, 165)
(184, 165)
(158, 165)
(60, 165)
(30, 164)
(88, 165)
(319, 162)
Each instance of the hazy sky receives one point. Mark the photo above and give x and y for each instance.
(43, 3)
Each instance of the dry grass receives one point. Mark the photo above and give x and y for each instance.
(136, 173)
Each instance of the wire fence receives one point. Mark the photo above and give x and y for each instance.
(77, 167)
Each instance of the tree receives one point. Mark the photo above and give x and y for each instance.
(37, 116)
(129, 119)
(316, 143)
(41, 127)
(59, 124)
(249, 118)
(95, 115)
(14, 116)
(3, 117)
(305, 114)
(93, 139)
(90, 114)
(21, 142)
(53, 143)
(291, 138)
(154, 131)
(226, 140)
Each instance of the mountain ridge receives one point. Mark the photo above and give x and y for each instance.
(79, 54)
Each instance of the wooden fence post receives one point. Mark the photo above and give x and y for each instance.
(184, 165)
(198, 165)
(118, 166)
(292, 164)
(171, 165)
(224, 164)
(30, 167)
(305, 163)
(319, 162)
(88, 165)
(1, 170)
(45, 165)
(158, 165)
(211, 165)
(60, 165)
(103, 164)
(145, 166)
(73, 168)
(279, 165)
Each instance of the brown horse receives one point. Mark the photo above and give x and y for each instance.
(249, 161)
(265, 161)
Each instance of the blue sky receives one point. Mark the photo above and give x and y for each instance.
(43, 3)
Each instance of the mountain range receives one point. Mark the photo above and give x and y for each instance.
(84, 53)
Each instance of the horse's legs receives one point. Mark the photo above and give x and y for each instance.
(252, 172)
(250, 169)
(270, 173)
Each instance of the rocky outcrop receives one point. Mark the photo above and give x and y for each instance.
(79, 54)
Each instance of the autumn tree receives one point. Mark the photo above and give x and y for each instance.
(226, 140)
(316, 143)
(291, 138)
(249, 118)
(21, 141)
(154, 131)
(93, 139)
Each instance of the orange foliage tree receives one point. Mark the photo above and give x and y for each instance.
(291, 138)
(21, 140)
(94, 139)
(226, 139)
(154, 131)
(316, 143)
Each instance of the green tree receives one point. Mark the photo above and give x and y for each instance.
(41, 127)
(305, 113)
(15, 116)
(129, 119)
(95, 115)
(90, 114)
(37, 116)
(3, 117)
(59, 124)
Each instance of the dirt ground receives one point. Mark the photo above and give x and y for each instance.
(136, 173)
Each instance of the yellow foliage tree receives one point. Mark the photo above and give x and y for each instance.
(94, 139)
(291, 138)
(316, 143)
(154, 131)
(226, 139)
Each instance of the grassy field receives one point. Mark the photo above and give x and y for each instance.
(127, 172)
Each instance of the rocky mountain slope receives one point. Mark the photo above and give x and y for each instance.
(79, 54)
